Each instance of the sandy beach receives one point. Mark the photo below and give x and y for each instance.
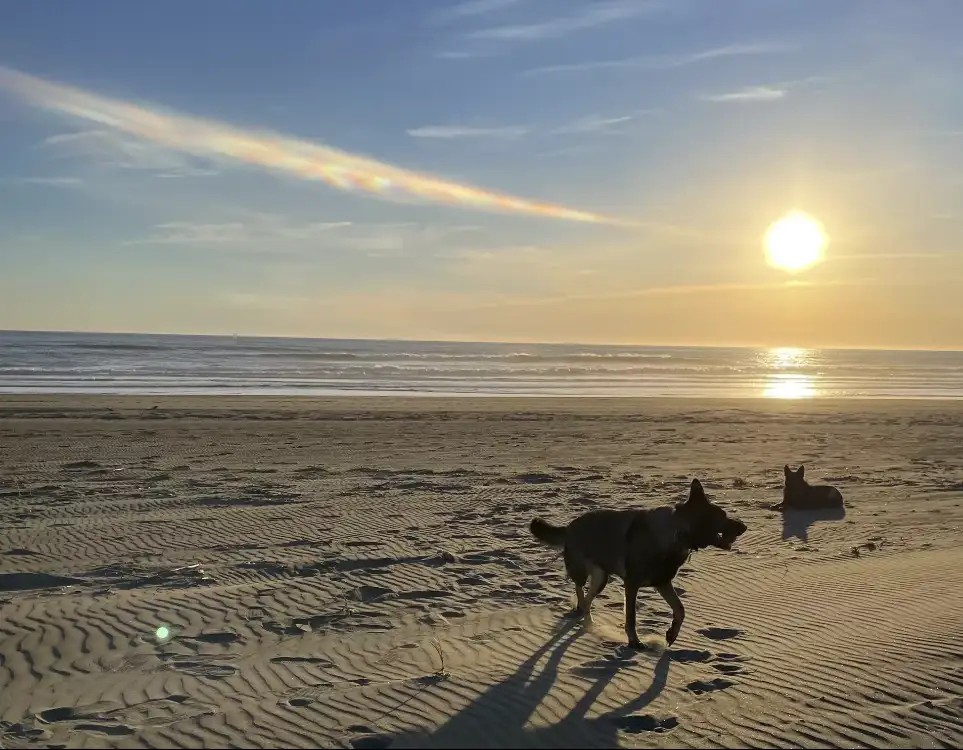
(351, 572)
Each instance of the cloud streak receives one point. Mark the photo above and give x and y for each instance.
(591, 16)
(595, 124)
(748, 95)
(116, 149)
(472, 8)
(301, 159)
(665, 62)
(460, 131)
(63, 182)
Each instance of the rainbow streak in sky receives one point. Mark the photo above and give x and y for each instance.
(303, 159)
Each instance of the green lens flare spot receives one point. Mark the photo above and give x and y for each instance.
(163, 633)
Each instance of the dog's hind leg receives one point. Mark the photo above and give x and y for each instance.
(597, 580)
(668, 593)
(578, 572)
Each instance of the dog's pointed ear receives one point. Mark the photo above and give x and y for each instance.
(787, 471)
(802, 471)
(696, 493)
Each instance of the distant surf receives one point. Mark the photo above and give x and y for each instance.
(96, 363)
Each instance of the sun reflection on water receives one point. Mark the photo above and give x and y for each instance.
(787, 382)
(790, 386)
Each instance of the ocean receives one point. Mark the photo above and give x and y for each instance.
(74, 363)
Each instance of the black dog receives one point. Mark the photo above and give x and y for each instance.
(644, 547)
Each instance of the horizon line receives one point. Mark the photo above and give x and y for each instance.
(521, 342)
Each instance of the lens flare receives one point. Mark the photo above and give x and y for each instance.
(162, 633)
(299, 158)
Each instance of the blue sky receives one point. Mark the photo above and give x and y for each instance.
(594, 170)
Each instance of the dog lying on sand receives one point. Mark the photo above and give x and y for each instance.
(798, 494)
(644, 547)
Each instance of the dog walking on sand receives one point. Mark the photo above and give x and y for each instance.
(644, 547)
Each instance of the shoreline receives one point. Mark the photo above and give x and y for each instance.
(92, 399)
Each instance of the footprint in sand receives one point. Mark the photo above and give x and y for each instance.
(93, 718)
(366, 738)
(700, 687)
(112, 730)
(372, 593)
(424, 594)
(689, 656)
(207, 670)
(720, 634)
(302, 660)
(18, 735)
(76, 713)
(220, 639)
(646, 723)
(728, 668)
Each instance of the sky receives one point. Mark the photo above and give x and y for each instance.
(598, 171)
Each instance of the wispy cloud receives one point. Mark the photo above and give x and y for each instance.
(282, 235)
(265, 230)
(595, 124)
(302, 159)
(461, 131)
(587, 125)
(591, 16)
(119, 150)
(62, 182)
(471, 9)
(748, 95)
(189, 233)
(732, 50)
(666, 61)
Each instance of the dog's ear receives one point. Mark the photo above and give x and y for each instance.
(802, 471)
(787, 471)
(696, 493)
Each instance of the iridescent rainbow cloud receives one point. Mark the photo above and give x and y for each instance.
(306, 160)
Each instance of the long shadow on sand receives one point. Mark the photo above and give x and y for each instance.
(796, 523)
(497, 718)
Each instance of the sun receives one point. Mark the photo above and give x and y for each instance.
(795, 242)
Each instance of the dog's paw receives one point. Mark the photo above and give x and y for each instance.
(636, 644)
(670, 635)
(573, 613)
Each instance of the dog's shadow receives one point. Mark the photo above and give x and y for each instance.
(796, 522)
(499, 716)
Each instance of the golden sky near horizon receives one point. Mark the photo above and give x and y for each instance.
(519, 172)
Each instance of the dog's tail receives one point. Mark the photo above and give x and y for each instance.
(546, 533)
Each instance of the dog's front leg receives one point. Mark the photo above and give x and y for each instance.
(668, 593)
(631, 591)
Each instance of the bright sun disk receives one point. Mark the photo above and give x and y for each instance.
(795, 242)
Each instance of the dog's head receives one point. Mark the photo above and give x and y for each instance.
(709, 525)
(795, 483)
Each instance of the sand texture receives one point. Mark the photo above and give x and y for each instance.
(358, 573)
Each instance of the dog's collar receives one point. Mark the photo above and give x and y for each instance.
(683, 531)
